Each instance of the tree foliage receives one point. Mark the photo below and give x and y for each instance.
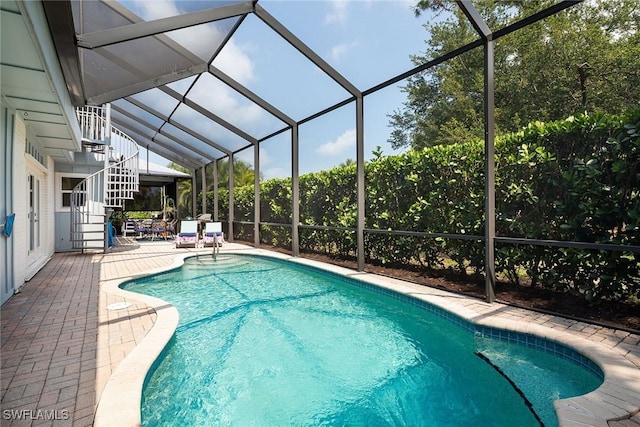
(583, 59)
(243, 175)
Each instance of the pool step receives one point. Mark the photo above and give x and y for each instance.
(221, 261)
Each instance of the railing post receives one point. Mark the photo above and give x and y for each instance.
(231, 198)
(256, 195)
(360, 187)
(215, 190)
(203, 188)
(489, 172)
(105, 179)
(295, 191)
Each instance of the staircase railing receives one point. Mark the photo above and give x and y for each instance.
(94, 197)
(92, 121)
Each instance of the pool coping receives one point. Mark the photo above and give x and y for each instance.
(617, 398)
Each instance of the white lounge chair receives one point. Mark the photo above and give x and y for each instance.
(129, 227)
(188, 234)
(213, 234)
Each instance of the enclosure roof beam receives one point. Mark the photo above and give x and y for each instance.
(475, 18)
(62, 29)
(150, 83)
(425, 66)
(143, 140)
(162, 150)
(196, 65)
(150, 127)
(208, 114)
(250, 95)
(294, 41)
(552, 10)
(138, 30)
(183, 128)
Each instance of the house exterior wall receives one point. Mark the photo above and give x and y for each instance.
(6, 200)
(19, 203)
(27, 168)
(21, 259)
(27, 260)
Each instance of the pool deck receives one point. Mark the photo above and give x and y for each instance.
(70, 357)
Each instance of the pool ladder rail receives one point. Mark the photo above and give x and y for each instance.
(215, 252)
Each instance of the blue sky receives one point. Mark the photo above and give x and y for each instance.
(367, 41)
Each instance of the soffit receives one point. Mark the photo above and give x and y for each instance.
(27, 82)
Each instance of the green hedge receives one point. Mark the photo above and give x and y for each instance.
(575, 180)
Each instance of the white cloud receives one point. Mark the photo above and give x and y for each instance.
(276, 173)
(155, 10)
(338, 12)
(157, 100)
(235, 62)
(344, 142)
(225, 102)
(340, 51)
(265, 158)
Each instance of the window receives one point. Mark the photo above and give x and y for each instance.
(67, 185)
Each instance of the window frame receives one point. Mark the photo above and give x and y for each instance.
(60, 192)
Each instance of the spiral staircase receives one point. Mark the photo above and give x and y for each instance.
(94, 199)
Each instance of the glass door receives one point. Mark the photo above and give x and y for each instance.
(34, 213)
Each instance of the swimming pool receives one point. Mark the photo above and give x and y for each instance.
(265, 342)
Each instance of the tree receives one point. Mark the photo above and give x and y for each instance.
(243, 174)
(184, 191)
(584, 59)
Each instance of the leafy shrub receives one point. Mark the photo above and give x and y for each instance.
(572, 180)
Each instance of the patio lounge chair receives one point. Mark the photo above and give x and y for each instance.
(213, 234)
(144, 228)
(188, 234)
(129, 227)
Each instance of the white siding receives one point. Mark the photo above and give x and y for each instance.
(20, 235)
(6, 200)
(25, 266)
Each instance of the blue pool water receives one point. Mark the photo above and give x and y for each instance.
(269, 343)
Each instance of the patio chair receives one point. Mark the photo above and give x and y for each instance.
(144, 228)
(129, 227)
(213, 234)
(188, 234)
(159, 229)
(171, 228)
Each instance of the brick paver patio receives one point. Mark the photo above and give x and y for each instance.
(60, 343)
